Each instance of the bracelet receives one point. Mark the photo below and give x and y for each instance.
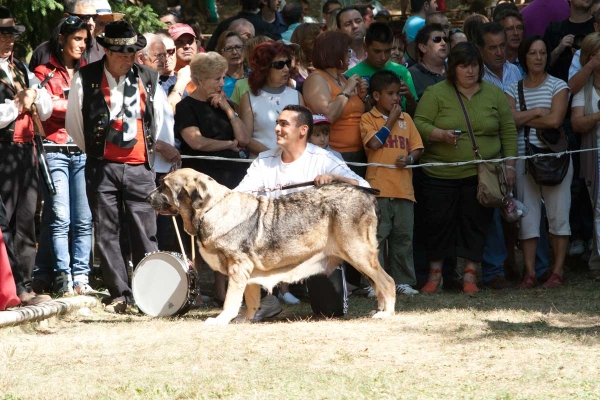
(511, 167)
(344, 94)
(411, 159)
(235, 115)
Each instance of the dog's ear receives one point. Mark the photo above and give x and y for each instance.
(173, 189)
(197, 193)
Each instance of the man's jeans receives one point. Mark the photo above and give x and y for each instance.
(495, 252)
(67, 210)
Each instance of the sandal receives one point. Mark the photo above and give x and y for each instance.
(554, 281)
(433, 286)
(528, 282)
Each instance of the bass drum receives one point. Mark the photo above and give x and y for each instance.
(163, 284)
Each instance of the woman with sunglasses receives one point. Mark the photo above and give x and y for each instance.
(67, 211)
(231, 46)
(585, 118)
(271, 67)
(546, 99)
(454, 222)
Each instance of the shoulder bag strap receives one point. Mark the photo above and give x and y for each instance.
(523, 106)
(469, 127)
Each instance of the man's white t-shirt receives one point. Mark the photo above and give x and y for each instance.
(268, 171)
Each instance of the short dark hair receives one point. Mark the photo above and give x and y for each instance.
(424, 34)
(471, 25)
(379, 32)
(303, 117)
(491, 28)
(503, 8)
(292, 13)
(325, 9)
(432, 15)
(329, 49)
(417, 5)
(175, 14)
(343, 10)
(464, 53)
(478, 7)
(507, 13)
(363, 8)
(380, 80)
(524, 49)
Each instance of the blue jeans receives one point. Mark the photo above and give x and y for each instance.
(67, 210)
(494, 253)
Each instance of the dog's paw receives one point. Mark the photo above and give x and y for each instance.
(216, 322)
(380, 314)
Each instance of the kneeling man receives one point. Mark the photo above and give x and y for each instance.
(294, 161)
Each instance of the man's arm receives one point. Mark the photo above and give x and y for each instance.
(74, 119)
(253, 181)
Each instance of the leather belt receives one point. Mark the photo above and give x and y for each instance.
(62, 149)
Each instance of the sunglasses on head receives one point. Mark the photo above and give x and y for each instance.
(455, 31)
(438, 39)
(281, 64)
(73, 20)
(86, 17)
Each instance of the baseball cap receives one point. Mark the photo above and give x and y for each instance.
(320, 119)
(180, 29)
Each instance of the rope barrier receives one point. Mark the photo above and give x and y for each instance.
(433, 164)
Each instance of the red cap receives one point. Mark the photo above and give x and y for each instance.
(180, 29)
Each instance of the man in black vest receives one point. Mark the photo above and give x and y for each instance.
(115, 114)
(18, 168)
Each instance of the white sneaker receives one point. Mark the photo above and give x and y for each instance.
(288, 298)
(371, 292)
(406, 289)
(577, 248)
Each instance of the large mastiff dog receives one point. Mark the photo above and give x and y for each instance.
(262, 241)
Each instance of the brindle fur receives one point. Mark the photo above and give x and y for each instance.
(261, 241)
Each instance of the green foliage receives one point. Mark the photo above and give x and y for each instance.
(143, 19)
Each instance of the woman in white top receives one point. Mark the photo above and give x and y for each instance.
(271, 69)
(546, 98)
(585, 116)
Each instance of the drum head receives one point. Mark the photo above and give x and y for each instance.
(160, 284)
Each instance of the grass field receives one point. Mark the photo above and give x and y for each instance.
(540, 344)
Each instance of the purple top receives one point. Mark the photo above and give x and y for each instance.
(538, 15)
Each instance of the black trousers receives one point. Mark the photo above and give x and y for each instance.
(19, 181)
(117, 197)
(456, 224)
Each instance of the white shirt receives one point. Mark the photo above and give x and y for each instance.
(269, 171)
(9, 110)
(575, 64)
(74, 117)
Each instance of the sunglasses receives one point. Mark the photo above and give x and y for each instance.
(86, 17)
(281, 64)
(455, 31)
(438, 39)
(73, 20)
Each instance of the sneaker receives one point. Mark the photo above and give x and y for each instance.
(288, 298)
(406, 289)
(371, 292)
(83, 289)
(577, 248)
(63, 285)
(269, 307)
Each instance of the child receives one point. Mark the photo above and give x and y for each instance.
(390, 137)
(320, 134)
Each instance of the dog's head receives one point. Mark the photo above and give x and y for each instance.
(188, 193)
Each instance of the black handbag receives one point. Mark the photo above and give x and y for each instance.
(546, 171)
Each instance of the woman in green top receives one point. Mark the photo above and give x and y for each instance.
(455, 222)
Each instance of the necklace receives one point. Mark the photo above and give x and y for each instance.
(337, 79)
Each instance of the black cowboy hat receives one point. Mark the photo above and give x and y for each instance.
(7, 23)
(121, 37)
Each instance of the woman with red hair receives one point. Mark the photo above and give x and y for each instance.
(271, 67)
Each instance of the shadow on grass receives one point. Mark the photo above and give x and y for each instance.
(537, 328)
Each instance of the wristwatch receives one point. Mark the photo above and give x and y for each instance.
(235, 115)
(411, 160)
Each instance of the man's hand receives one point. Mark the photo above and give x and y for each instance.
(405, 91)
(323, 179)
(168, 152)
(234, 145)
(567, 42)
(184, 75)
(25, 99)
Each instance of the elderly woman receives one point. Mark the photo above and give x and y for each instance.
(231, 46)
(585, 116)
(455, 222)
(271, 69)
(67, 211)
(207, 125)
(340, 99)
(546, 99)
(399, 48)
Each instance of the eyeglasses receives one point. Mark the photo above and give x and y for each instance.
(455, 31)
(231, 49)
(438, 39)
(281, 64)
(86, 17)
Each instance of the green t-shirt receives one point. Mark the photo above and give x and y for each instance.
(241, 87)
(363, 69)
